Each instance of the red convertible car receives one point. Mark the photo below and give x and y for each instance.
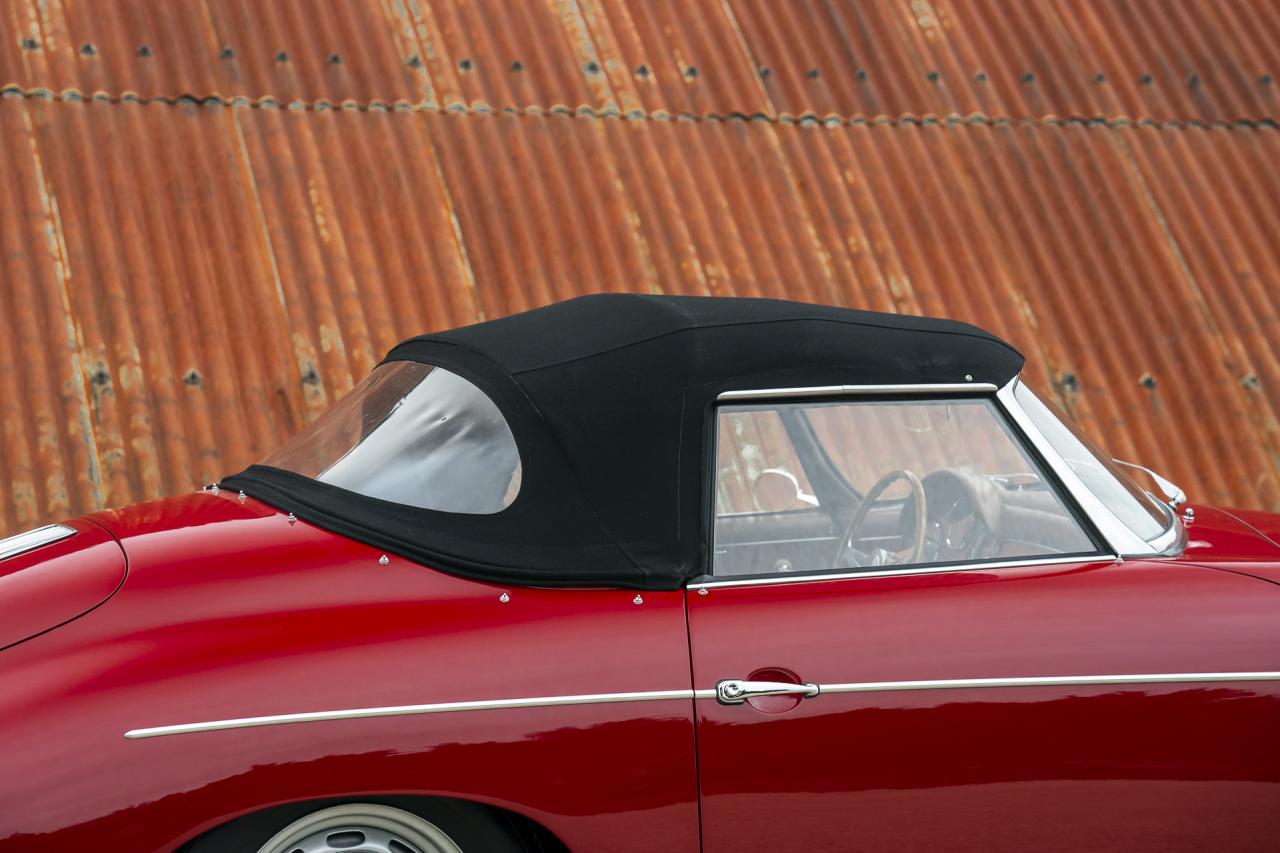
(637, 573)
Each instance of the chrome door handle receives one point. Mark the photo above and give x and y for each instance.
(732, 691)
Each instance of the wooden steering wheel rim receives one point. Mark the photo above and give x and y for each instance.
(869, 500)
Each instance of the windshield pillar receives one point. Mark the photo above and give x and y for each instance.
(1114, 519)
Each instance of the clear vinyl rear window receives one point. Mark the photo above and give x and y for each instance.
(412, 434)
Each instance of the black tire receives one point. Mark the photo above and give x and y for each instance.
(471, 826)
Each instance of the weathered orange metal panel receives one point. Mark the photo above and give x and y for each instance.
(282, 49)
(206, 242)
(1069, 58)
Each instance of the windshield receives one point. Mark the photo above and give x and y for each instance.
(412, 434)
(1136, 508)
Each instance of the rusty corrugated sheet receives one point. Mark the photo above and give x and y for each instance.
(205, 242)
(153, 48)
(1070, 58)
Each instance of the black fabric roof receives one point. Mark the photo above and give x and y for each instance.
(610, 398)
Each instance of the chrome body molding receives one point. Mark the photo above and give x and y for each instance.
(736, 691)
(728, 691)
(33, 539)
(857, 390)
(410, 710)
(1014, 563)
(1048, 681)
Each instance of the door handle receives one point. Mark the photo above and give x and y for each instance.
(733, 691)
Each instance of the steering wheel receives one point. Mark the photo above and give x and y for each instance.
(869, 500)
(965, 512)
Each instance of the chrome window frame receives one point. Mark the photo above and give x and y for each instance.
(1118, 535)
(939, 568)
(1118, 539)
(856, 391)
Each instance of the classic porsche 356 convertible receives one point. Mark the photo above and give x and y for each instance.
(642, 573)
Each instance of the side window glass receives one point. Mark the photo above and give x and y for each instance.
(908, 482)
(762, 488)
(759, 471)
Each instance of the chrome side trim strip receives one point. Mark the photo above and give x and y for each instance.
(705, 693)
(409, 710)
(893, 573)
(1048, 681)
(859, 390)
(33, 539)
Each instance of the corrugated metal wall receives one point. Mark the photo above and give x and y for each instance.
(218, 214)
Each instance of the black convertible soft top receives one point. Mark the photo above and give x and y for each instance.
(610, 399)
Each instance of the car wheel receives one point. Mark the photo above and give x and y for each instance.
(362, 827)
(404, 825)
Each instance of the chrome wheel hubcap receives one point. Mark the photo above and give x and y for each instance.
(361, 828)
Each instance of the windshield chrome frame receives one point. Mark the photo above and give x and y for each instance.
(1118, 535)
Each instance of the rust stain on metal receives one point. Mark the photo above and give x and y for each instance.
(221, 214)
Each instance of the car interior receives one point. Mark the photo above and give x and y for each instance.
(866, 483)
